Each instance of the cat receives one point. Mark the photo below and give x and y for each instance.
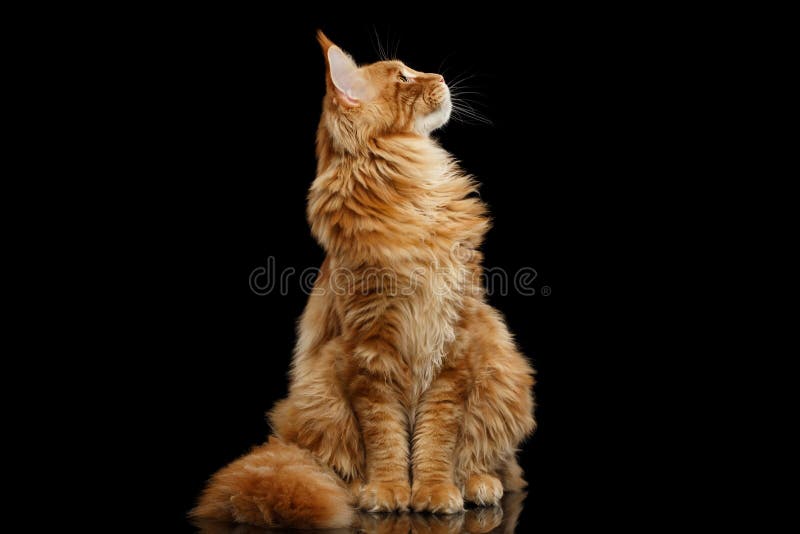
(406, 389)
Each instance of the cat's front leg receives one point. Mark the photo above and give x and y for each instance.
(376, 398)
(438, 422)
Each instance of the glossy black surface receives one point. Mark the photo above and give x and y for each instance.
(497, 519)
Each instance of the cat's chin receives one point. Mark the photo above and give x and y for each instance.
(428, 123)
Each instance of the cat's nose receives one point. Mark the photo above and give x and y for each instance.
(441, 78)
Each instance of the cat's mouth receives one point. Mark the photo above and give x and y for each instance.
(437, 118)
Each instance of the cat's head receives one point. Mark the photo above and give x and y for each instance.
(378, 99)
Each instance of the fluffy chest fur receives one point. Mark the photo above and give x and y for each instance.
(402, 227)
(431, 317)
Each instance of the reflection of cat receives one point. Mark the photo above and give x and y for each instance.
(406, 390)
(496, 519)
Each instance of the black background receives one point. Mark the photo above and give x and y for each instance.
(219, 122)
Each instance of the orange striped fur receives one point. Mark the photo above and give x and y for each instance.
(407, 391)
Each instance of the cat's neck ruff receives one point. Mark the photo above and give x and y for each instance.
(406, 200)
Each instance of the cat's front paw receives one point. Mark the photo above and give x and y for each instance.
(384, 497)
(484, 490)
(440, 497)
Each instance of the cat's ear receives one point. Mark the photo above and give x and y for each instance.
(343, 77)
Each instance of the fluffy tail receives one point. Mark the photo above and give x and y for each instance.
(277, 485)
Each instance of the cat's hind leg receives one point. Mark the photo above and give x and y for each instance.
(498, 411)
(317, 416)
(483, 489)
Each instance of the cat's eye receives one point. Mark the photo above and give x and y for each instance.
(402, 77)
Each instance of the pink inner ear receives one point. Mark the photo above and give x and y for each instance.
(346, 99)
(345, 75)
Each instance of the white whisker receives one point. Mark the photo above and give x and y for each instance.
(465, 98)
(377, 46)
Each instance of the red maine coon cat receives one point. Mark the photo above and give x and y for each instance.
(407, 390)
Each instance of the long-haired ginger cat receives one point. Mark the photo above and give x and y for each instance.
(407, 391)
